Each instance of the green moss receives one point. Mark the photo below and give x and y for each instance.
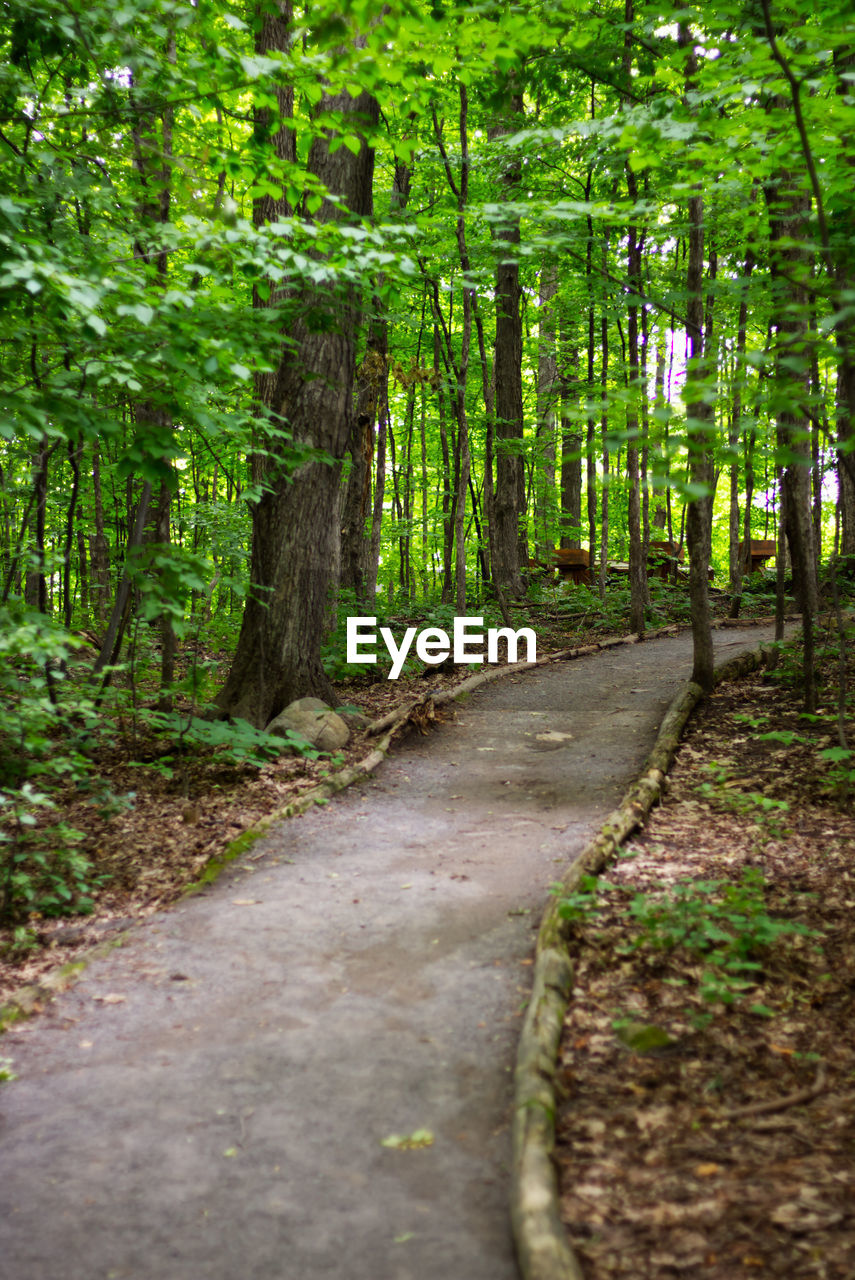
(9, 1014)
(216, 865)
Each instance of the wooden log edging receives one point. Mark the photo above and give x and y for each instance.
(539, 1234)
(325, 790)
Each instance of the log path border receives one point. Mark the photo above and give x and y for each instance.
(541, 1240)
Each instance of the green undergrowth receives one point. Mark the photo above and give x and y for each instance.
(62, 735)
(721, 924)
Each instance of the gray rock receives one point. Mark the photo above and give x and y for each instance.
(355, 720)
(313, 720)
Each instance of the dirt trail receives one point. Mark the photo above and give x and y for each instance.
(209, 1101)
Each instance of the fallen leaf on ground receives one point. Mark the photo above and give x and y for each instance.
(409, 1141)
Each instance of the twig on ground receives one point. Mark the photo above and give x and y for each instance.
(778, 1104)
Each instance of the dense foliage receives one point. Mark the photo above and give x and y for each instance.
(605, 283)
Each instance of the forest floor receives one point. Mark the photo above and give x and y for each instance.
(708, 1120)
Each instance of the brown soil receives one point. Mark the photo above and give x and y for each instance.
(726, 1150)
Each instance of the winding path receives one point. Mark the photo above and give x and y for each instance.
(361, 973)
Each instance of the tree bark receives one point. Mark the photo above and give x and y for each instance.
(357, 494)
(571, 442)
(845, 438)
(360, 550)
(637, 566)
(509, 495)
(700, 425)
(736, 565)
(295, 533)
(547, 385)
(789, 208)
(99, 549)
(604, 431)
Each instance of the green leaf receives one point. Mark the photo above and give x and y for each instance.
(642, 1037)
(409, 1141)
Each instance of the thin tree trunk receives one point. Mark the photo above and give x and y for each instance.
(604, 432)
(637, 565)
(112, 641)
(547, 391)
(789, 208)
(35, 590)
(736, 563)
(699, 428)
(74, 451)
(571, 443)
(509, 496)
(99, 548)
(447, 485)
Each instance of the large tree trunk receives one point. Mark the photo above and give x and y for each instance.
(295, 535)
(357, 494)
(446, 481)
(355, 543)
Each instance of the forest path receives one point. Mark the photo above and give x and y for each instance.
(209, 1101)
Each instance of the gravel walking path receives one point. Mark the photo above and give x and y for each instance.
(210, 1100)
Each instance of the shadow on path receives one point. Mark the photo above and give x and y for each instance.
(209, 1101)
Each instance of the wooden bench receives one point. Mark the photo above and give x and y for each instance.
(754, 554)
(573, 565)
